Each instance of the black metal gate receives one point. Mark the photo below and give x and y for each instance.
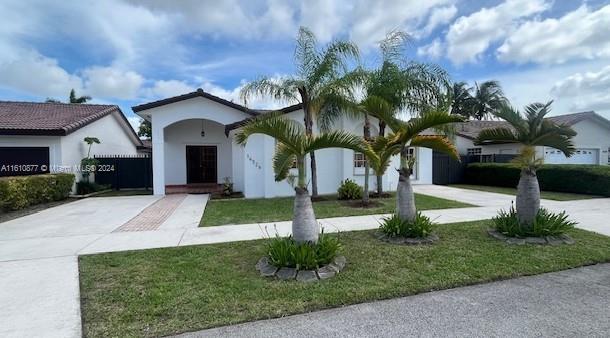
(125, 171)
(446, 170)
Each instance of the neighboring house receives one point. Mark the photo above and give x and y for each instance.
(592, 141)
(192, 144)
(50, 135)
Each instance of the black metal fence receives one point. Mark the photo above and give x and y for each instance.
(446, 170)
(125, 171)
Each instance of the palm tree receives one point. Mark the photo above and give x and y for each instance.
(461, 100)
(293, 145)
(399, 85)
(407, 134)
(80, 99)
(530, 129)
(488, 98)
(318, 85)
(384, 149)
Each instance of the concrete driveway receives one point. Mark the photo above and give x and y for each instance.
(39, 285)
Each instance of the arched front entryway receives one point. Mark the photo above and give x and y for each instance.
(198, 156)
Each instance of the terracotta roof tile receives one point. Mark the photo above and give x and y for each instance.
(36, 118)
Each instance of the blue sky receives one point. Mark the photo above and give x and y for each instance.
(129, 52)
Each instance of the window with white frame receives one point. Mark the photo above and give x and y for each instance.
(359, 160)
(474, 151)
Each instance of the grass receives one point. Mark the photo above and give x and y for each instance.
(134, 192)
(549, 195)
(219, 212)
(166, 291)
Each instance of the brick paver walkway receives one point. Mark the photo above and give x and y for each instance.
(153, 216)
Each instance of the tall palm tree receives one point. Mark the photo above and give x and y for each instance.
(488, 98)
(293, 145)
(407, 134)
(80, 99)
(530, 129)
(318, 85)
(461, 99)
(399, 85)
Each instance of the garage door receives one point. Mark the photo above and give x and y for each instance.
(580, 156)
(20, 161)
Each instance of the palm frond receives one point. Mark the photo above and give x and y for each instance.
(496, 136)
(285, 89)
(435, 142)
(512, 116)
(305, 53)
(393, 45)
(288, 132)
(333, 62)
(337, 139)
(384, 148)
(430, 119)
(283, 159)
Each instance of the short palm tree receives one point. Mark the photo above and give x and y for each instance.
(319, 83)
(530, 129)
(407, 134)
(293, 145)
(385, 149)
(488, 98)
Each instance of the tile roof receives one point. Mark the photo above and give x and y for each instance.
(38, 118)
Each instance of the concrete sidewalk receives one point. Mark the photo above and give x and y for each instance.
(571, 303)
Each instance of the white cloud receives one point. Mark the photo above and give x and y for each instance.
(580, 34)
(109, 82)
(471, 35)
(434, 50)
(586, 90)
(134, 121)
(169, 88)
(372, 20)
(38, 75)
(440, 16)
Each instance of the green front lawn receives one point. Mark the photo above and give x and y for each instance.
(166, 291)
(549, 195)
(241, 211)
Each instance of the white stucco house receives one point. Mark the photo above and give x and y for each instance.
(50, 135)
(592, 141)
(192, 145)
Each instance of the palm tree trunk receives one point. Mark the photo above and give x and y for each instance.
(528, 198)
(312, 156)
(405, 199)
(305, 228)
(379, 185)
(367, 167)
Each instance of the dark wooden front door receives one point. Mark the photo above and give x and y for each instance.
(201, 164)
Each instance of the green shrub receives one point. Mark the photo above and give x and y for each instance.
(546, 223)
(574, 178)
(393, 226)
(285, 252)
(84, 187)
(19, 192)
(349, 190)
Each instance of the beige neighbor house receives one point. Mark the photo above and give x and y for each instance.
(592, 141)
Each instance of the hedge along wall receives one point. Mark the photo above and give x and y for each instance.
(22, 191)
(575, 178)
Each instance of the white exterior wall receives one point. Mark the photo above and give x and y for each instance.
(51, 142)
(192, 109)
(333, 165)
(593, 135)
(188, 133)
(114, 140)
